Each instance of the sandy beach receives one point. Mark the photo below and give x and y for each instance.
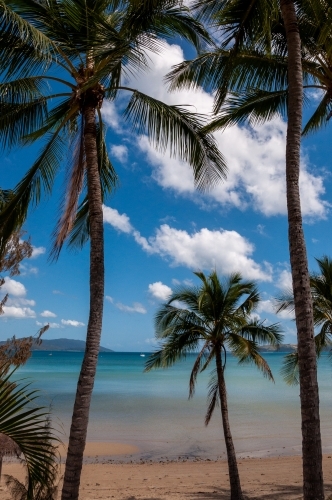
(104, 477)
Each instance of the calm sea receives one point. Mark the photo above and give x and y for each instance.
(152, 410)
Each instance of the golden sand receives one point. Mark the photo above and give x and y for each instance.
(275, 478)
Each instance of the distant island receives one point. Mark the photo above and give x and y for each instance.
(281, 348)
(63, 345)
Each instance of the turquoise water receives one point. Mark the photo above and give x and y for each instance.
(152, 410)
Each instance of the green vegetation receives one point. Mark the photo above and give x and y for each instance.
(28, 426)
(212, 318)
(321, 289)
(91, 44)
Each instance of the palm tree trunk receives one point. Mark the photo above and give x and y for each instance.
(234, 477)
(311, 438)
(80, 418)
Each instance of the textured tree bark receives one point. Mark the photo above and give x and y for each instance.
(234, 477)
(85, 384)
(313, 488)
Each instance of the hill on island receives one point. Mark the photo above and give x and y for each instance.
(282, 348)
(63, 345)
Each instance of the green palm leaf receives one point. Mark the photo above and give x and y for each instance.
(39, 178)
(179, 130)
(290, 369)
(27, 425)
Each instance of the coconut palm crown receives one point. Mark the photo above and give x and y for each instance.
(248, 71)
(61, 60)
(268, 54)
(214, 319)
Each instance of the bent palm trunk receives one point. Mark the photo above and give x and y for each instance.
(80, 418)
(234, 478)
(311, 437)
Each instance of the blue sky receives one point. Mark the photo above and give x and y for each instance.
(159, 229)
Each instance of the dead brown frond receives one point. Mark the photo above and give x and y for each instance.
(196, 370)
(16, 352)
(74, 188)
(15, 251)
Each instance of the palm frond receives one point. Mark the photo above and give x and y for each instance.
(79, 229)
(247, 351)
(28, 192)
(261, 333)
(323, 339)
(74, 185)
(176, 347)
(290, 368)
(170, 319)
(80, 232)
(180, 131)
(213, 396)
(19, 119)
(320, 117)
(285, 301)
(253, 106)
(27, 425)
(196, 369)
(162, 19)
(19, 490)
(23, 48)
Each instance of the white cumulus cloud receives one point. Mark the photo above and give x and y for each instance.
(120, 152)
(13, 287)
(269, 307)
(110, 114)
(135, 308)
(255, 156)
(36, 251)
(117, 220)
(51, 325)
(18, 312)
(19, 301)
(284, 281)
(48, 314)
(71, 322)
(227, 251)
(159, 290)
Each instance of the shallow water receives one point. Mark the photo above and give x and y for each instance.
(152, 410)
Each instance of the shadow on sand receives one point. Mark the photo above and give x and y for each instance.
(268, 492)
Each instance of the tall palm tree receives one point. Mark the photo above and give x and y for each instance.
(27, 426)
(216, 319)
(321, 289)
(61, 60)
(252, 34)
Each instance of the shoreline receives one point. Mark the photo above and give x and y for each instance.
(125, 453)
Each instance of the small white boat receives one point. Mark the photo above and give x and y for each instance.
(142, 355)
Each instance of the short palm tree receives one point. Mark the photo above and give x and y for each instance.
(60, 60)
(265, 48)
(216, 320)
(321, 289)
(26, 426)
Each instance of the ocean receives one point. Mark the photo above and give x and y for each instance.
(152, 410)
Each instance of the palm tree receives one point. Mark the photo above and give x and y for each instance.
(27, 430)
(216, 319)
(255, 39)
(61, 59)
(321, 289)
